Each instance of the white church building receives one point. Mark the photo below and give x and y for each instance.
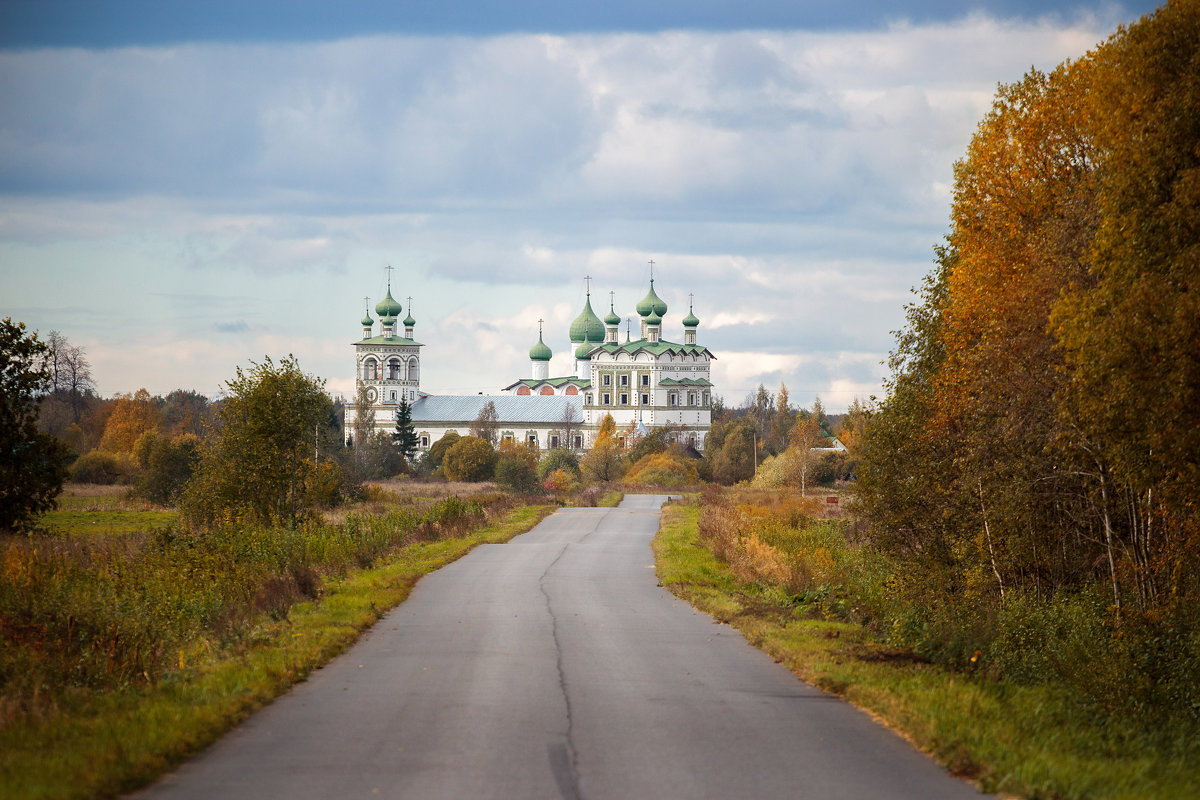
(644, 383)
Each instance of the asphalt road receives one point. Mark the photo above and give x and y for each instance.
(554, 666)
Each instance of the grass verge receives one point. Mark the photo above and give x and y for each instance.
(1036, 742)
(100, 745)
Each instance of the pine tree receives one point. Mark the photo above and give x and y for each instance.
(405, 436)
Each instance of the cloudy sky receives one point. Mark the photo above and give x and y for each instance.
(185, 188)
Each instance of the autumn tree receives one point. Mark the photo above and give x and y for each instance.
(132, 416)
(517, 466)
(568, 425)
(261, 456)
(605, 461)
(781, 423)
(166, 464)
(469, 459)
(33, 465)
(733, 459)
(806, 436)
(486, 424)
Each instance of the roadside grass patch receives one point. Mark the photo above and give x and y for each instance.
(69, 741)
(1035, 741)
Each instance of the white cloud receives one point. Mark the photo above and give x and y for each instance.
(796, 182)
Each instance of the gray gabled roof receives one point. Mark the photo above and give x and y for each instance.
(515, 409)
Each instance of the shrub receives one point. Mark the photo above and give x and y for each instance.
(560, 459)
(166, 465)
(561, 481)
(664, 468)
(100, 467)
(469, 459)
(516, 467)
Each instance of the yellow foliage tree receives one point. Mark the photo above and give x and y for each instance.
(132, 416)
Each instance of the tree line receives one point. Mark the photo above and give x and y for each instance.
(1040, 438)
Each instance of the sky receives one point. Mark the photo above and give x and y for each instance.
(186, 188)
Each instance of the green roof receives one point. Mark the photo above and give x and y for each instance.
(540, 352)
(612, 318)
(409, 321)
(582, 352)
(658, 348)
(367, 321)
(685, 382)
(582, 383)
(651, 303)
(388, 307)
(690, 320)
(587, 326)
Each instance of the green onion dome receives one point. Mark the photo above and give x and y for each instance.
(690, 320)
(583, 352)
(612, 319)
(367, 322)
(652, 303)
(654, 319)
(388, 322)
(587, 326)
(540, 352)
(388, 307)
(409, 321)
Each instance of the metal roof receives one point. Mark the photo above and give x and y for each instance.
(509, 408)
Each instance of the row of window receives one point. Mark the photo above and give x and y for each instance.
(393, 369)
(623, 379)
(673, 399)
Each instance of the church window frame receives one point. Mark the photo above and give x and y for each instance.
(624, 398)
(645, 379)
(624, 380)
(645, 399)
(672, 399)
(394, 369)
(552, 441)
(606, 380)
(587, 399)
(607, 399)
(578, 442)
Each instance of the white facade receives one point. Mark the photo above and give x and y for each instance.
(644, 384)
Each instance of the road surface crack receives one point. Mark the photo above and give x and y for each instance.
(564, 761)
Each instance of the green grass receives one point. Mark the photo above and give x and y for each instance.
(100, 744)
(1037, 742)
(78, 522)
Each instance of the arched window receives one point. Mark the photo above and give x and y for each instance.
(370, 370)
(414, 369)
(393, 369)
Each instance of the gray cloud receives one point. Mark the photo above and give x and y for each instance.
(801, 177)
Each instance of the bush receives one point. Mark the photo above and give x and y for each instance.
(516, 467)
(167, 465)
(469, 459)
(560, 459)
(665, 469)
(100, 467)
(561, 481)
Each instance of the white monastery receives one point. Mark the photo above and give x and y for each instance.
(644, 383)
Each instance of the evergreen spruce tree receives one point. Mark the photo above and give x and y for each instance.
(405, 436)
